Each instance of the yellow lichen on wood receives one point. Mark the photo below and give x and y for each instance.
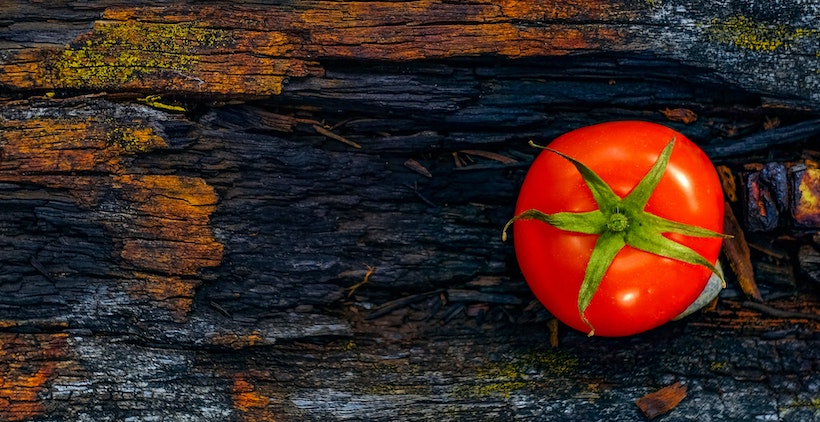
(202, 49)
(524, 371)
(180, 51)
(120, 54)
(747, 33)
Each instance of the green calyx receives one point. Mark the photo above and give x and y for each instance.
(619, 222)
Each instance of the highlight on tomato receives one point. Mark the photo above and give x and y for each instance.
(618, 227)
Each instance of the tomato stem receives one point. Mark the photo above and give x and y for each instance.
(617, 222)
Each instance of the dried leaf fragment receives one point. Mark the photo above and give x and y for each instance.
(727, 179)
(661, 401)
(683, 115)
(771, 123)
(417, 167)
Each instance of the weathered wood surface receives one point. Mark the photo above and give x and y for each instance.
(200, 265)
(254, 49)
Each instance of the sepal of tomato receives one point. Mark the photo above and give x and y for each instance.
(624, 222)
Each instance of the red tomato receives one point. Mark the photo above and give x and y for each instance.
(640, 290)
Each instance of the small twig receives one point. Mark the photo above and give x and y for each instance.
(435, 306)
(352, 289)
(459, 163)
(342, 123)
(464, 295)
(219, 308)
(391, 306)
(768, 251)
(491, 166)
(41, 269)
(490, 155)
(415, 188)
(453, 312)
(778, 313)
(336, 137)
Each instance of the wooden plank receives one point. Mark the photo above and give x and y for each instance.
(210, 255)
(253, 49)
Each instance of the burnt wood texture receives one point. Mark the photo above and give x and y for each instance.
(276, 211)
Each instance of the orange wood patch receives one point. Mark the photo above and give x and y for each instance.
(239, 340)
(27, 364)
(186, 56)
(161, 223)
(251, 403)
(252, 51)
(426, 29)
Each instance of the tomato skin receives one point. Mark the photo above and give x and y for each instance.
(640, 290)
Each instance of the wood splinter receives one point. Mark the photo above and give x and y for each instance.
(662, 401)
(336, 137)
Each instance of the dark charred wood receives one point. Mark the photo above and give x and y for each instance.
(762, 141)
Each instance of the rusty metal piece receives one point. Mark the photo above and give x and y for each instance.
(761, 211)
(683, 115)
(774, 177)
(662, 401)
(805, 203)
(727, 179)
(739, 256)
